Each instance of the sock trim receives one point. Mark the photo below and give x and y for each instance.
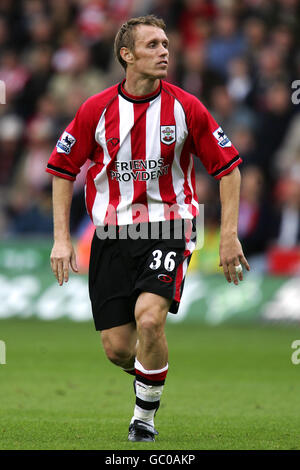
(153, 379)
(140, 368)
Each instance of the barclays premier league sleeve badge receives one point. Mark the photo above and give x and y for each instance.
(221, 137)
(65, 143)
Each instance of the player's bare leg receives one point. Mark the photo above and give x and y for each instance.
(150, 314)
(120, 345)
(151, 364)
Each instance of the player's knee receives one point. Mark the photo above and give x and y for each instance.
(117, 355)
(150, 322)
(116, 352)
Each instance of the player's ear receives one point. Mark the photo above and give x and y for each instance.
(127, 55)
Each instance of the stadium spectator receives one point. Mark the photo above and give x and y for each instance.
(287, 156)
(268, 69)
(229, 113)
(195, 75)
(243, 138)
(27, 216)
(288, 199)
(13, 73)
(226, 43)
(71, 62)
(255, 33)
(4, 35)
(195, 20)
(274, 124)
(257, 220)
(11, 139)
(239, 83)
(283, 255)
(38, 60)
(29, 206)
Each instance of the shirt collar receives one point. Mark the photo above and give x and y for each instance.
(139, 99)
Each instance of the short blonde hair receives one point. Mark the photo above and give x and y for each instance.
(125, 35)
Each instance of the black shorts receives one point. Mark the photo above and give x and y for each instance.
(121, 268)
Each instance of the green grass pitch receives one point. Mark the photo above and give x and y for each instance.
(228, 387)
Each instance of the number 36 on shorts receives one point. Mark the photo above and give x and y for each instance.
(159, 257)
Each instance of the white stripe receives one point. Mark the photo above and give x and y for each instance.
(139, 366)
(155, 204)
(146, 393)
(101, 181)
(184, 268)
(144, 415)
(126, 113)
(189, 178)
(190, 246)
(177, 172)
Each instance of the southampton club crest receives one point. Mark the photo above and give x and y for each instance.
(167, 134)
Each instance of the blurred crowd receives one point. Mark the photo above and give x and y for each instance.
(239, 57)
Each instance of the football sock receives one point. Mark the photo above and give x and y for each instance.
(149, 387)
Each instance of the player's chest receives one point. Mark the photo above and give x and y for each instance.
(141, 131)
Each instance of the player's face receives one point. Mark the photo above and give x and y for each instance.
(150, 55)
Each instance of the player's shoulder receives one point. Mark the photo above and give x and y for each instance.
(180, 94)
(189, 102)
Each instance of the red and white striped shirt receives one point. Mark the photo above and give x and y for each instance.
(140, 150)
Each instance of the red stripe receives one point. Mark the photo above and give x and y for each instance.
(138, 151)
(155, 377)
(112, 137)
(166, 188)
(92, 172)
(186, 254)
(192, 208)
(179, 278)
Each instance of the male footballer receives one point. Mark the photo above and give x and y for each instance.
(140, 194)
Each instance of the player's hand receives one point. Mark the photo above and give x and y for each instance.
(232, 259)
(62, 256)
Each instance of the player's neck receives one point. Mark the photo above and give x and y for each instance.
(137, 86)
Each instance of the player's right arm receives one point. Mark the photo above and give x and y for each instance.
(73, 148)
(63, 253)
(75, 145)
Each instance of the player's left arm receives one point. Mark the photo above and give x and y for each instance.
(220, 158)
(231, 252)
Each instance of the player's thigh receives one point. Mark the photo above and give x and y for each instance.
(151, 310)
(120, 340)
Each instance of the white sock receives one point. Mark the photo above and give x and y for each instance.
(149, 387)
(146, 394)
